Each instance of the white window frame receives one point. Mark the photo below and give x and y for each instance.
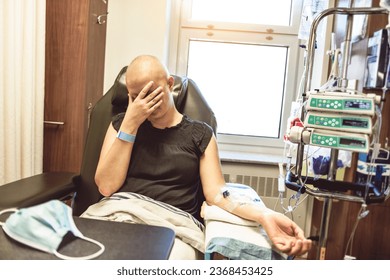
(286, 36)
(187, 22)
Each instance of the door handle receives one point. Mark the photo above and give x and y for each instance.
(101, 19)
(53, 122)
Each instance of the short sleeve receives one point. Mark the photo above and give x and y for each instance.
(201, 135)
(117, 121)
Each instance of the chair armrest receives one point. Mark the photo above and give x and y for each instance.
(36, 189)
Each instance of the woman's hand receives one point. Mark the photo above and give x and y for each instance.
(142, 105)
(285, 234)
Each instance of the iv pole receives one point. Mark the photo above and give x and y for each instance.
(342, 84)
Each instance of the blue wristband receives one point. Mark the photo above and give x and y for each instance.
(125, 137)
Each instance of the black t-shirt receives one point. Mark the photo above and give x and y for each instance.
(164, 163)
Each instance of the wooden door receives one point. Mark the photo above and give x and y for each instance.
(74, 70)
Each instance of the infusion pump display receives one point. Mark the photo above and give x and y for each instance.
(343, 141)
(341, 122)
(358, 104)
(338, 103)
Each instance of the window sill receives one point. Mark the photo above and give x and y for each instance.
(254, 158)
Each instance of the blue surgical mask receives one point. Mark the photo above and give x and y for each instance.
(44, 226)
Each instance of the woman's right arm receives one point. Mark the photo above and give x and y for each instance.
(113, 162)
(115, 155)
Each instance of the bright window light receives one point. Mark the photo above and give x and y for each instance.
(243, 83)
(243, 11)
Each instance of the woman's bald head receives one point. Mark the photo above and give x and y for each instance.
(145, 68)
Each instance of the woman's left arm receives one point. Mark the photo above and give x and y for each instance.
(282, 231)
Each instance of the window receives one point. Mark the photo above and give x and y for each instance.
(244, 56)
(243, 88)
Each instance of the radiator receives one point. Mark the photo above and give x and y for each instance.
(264, 186)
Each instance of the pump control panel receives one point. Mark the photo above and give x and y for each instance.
(348, 104)
(342, 141)
(340, 122)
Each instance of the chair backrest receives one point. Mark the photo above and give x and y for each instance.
(188, 100)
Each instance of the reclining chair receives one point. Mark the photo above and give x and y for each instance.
(57, 185)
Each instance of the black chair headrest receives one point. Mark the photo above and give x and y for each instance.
(120, 97)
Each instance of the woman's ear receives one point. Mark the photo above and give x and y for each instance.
(171, 82)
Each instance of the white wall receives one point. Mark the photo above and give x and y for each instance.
(135, 27)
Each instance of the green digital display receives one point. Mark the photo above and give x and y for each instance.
(340, 142)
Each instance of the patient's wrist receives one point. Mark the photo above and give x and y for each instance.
(262, 214)
(126, 137)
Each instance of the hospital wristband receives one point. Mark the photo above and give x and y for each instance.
(130, 138)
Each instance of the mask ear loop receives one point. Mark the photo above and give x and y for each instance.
(13, 210)
(92, 256)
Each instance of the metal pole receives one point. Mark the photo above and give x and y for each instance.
(343, 82)
(327, 208)
(334, 154)
(324, 229)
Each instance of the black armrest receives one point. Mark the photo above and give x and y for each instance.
(36, 189)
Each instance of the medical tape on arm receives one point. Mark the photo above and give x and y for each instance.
(233, 198)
